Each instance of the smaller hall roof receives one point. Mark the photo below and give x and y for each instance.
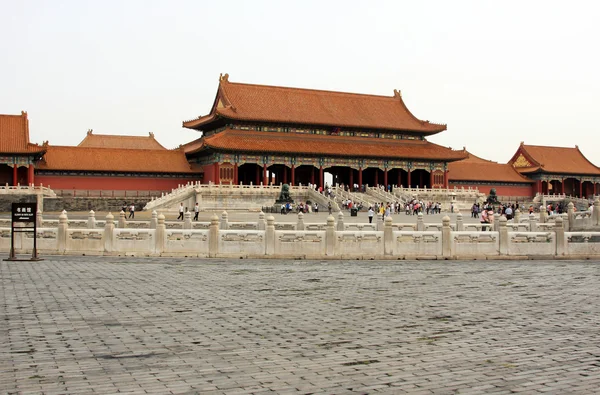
(115, 141)
(14, 135)
(565, 160)
(298, 143)
(474, 168)
(114, 160)
(276, 104)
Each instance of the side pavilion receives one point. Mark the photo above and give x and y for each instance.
(557, 170)
(17, 155)
(259, 133)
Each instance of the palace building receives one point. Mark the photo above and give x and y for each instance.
(259, 133)
(483, 174)
(17, 155)
(557, 170)
(99, 162)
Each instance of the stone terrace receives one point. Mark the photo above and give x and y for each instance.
(106, 325)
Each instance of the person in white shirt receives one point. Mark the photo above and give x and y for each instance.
(180, 212)
(371, 214)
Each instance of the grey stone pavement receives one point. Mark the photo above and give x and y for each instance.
(78, 325)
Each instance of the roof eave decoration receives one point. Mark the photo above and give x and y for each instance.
(436, 127)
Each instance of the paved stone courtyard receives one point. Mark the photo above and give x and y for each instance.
(81, 325)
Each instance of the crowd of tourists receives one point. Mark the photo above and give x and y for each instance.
(485, 212)
(302, 207)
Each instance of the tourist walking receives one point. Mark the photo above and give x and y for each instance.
(132, 211)
(371, 213)
(196, 212)
(180, 212)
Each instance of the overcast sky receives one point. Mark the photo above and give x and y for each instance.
(497, 72)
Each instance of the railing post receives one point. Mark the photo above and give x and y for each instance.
(388, 236)
(154, 220)
(224, 221)
(532, 223)
(160, 234)
(109, 228)
(420, 224)
(559, 234)
(262, 224)
(571, 214)
(213, 236)
(459, 222)
(122, 221)
(503, 235)
(270, 236)
(63, 226)
(39, 220)
(544, 215)
(330, 236)
(446, 238)
(91, 222)
(596, 212)
(340, 224)
(300, 224)
(187, 220)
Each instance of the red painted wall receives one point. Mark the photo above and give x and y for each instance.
(209, 173)
(501, 190)
(112, 183)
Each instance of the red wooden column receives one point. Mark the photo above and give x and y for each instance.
(399, 178)
(446, 179)
(376, 177)
(217, 174)
(293, 175)
(265, 180)
(385, 178)
(360, 179)
(257, 178)
(594, 189)
(285, 178)
(30, 179)
(321, 177)
(562, 186)
(580, 188)
(431, 179)
(408, 182)
(15, 176)
(235, 174)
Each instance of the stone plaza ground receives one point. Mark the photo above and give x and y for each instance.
(79, 325)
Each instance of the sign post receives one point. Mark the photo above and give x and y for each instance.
(23, 213)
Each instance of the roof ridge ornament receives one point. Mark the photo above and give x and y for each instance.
(90, 131)
(151, 134)
(397, 93)
(224, 77)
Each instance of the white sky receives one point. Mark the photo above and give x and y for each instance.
(497, 72)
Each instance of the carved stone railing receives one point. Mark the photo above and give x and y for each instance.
(266, 238)
(27, 190)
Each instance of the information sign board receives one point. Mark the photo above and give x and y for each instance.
(24, 212)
